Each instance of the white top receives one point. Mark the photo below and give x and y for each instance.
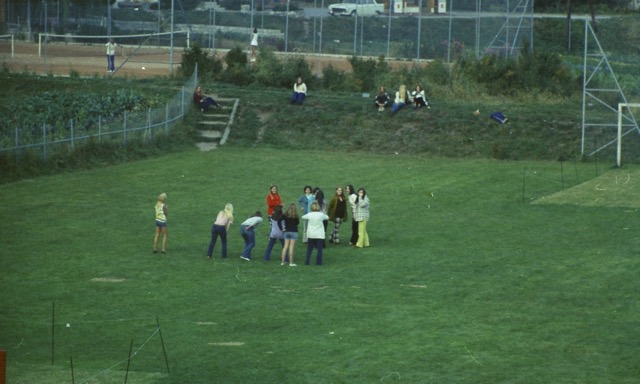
(418, 95)
(315, 228)
(111, 48)
(300, 88)
(253, 221)
(254, 39)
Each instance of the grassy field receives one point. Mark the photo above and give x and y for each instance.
(480, 271)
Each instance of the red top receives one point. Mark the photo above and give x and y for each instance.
(197, 97)
(273, 200)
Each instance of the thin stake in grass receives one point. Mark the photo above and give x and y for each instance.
(164, 351)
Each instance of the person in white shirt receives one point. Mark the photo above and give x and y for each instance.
(111, 55)
(254, 44)
(299, 92)
(247, 231)
(419, 99)
(315, 232)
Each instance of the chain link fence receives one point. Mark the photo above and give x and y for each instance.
(142, 126)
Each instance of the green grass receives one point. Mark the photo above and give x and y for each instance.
(470, 285)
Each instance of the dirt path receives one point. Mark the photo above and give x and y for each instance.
(89, 60)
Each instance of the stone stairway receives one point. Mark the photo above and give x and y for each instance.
(215, 124)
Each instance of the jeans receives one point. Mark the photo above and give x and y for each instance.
(297, 97)
(111, 62)
(249, 237)
(267, 252)
(218, 230)
(318, 244)
(395, 107)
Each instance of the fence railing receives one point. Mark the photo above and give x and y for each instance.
(142, 125)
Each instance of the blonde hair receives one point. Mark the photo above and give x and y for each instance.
(162, 198)
(228, 211)
(315, 207)
(403, 92)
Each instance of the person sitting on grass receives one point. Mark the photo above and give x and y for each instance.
(402, 96)
(419, 99)
(382, 99)
(299, 92)
(203, 101)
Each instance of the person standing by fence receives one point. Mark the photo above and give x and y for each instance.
(254, 44)
(111, 55)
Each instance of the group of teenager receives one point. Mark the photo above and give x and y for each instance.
(312, 213)
(402, 98)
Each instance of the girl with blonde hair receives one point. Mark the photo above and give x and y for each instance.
(162, 211)
(402, 96)
(220, 228)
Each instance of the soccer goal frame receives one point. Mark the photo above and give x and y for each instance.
(13, 44)
(621, 108)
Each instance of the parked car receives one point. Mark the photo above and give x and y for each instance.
(356, 7)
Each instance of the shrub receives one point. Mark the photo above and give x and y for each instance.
(208, 67)
(333, 79)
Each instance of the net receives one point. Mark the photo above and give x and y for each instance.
(140, 49)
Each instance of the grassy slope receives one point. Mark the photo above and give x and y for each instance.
(469, 285)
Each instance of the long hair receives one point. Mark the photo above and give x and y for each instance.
(352, 190)
(364, 194)
(277, 213)
(403, 92)
(228, 211)
(292, 211)
(320, 197)
(162, 198)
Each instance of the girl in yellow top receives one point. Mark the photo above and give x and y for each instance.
(162, 210)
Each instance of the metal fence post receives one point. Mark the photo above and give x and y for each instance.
(73, 144)
(166, 119)
(44, 140)
(124, 129)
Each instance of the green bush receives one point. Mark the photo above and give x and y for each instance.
(333, 79)
(208, 67)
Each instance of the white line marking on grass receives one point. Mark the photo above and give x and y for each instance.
(107, 280)
(626, 181)
(391, 374)
(413, 285)
(228, 344)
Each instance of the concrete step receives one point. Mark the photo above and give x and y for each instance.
(211, 134)
(206, 146)
(213, 124)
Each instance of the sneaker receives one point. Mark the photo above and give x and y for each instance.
(380, 109)
(245, 258)
(281, 263)
(293, 265)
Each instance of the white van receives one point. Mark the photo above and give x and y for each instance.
(356, 8)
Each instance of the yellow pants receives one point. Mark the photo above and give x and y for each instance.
(363, 236)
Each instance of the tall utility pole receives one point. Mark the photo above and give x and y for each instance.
(171, 60)
(286, 31)
(109, 18)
